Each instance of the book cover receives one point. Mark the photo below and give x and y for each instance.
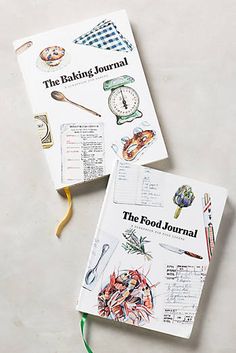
(154, 240)
(90, 99)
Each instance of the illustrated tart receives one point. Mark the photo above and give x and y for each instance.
(52, 56)
(135, 145)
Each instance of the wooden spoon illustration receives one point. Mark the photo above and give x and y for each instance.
(59, 96)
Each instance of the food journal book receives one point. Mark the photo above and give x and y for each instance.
(90, 99)
(154, 240)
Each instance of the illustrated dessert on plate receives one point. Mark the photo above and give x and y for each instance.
(52, 56)
(135, 145)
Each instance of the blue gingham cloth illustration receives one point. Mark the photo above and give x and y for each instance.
(105, 36)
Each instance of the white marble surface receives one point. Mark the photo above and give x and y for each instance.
(188, 52)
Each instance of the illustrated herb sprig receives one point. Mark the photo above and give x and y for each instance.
(135, 245)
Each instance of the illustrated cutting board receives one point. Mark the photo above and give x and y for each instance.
(90, 99)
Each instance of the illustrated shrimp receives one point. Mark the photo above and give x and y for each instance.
(127, 297)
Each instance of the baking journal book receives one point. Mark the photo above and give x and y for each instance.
(154, 240)
(90, 99)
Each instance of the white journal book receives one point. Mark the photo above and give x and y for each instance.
(153, 244)
(90, 98)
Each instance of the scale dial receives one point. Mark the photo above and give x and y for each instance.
(123, 101)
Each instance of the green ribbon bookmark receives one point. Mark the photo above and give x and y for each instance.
(82, 326)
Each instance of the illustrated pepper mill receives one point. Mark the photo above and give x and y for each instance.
(183, 197)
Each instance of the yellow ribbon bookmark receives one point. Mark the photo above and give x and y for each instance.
(68, 214)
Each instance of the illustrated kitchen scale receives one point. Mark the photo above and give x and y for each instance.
(123, 100)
